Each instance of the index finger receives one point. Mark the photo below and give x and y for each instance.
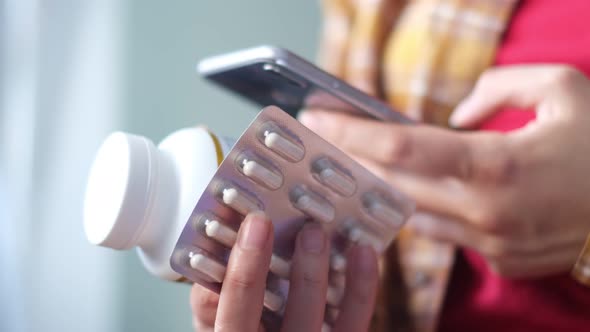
(424, 149)
(243, 290)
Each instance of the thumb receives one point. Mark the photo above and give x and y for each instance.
(523, 87)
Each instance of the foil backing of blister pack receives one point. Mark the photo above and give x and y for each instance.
(294, 176)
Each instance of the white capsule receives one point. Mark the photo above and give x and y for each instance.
(326, 327)
(318, 210)
(280, 267)
(283, 146)
(207, 266)
(238, 201)
(261, 174)
(338, 262)
(273, 301)
(337, 181)
(362, 237)
(221, 233)
(228, 236)
(334, 296)
(384, 213)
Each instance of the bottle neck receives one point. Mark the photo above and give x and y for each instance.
(162, 198)
(187, 160)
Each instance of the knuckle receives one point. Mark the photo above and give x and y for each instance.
(238, 280)
(207, 301)
(466, 166)
(203, 324)
(564, 76)
(496, 165)
(488, 220)
(503, 170)
(312, 280)
(397, 147)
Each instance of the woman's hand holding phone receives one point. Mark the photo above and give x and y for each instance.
(521, 198)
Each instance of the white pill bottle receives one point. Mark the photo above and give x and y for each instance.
(139, 195)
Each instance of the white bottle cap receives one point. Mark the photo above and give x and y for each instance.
(119, 189)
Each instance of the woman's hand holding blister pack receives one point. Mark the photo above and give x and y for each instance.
(239, 306)
(520, 199)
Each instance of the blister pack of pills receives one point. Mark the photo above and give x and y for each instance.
(282, 168)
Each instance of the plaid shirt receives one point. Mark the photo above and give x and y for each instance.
(423, 57)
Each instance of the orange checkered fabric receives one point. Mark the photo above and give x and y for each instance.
(423, 57)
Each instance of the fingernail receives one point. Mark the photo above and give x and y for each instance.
(256, 231)
(366, 259)
(313, 238)
(310, 120)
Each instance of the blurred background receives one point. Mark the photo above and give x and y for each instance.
(71, 72)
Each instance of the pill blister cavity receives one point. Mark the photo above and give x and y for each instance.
(207, 266)
(338, 262)
(239, 201)
(227, 236)
(280, 267)
(381, 210)
(334, 295)
(260, 172)
(334, 177)
(312, 205)
(272, 301)
(361, 236)
(220, 232)
(283, 144)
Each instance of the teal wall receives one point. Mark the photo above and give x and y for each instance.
(162, 92)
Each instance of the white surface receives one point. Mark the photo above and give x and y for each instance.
(139, 195)
(118, 190)
(60, 74)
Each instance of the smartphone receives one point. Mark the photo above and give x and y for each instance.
(268, 75)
